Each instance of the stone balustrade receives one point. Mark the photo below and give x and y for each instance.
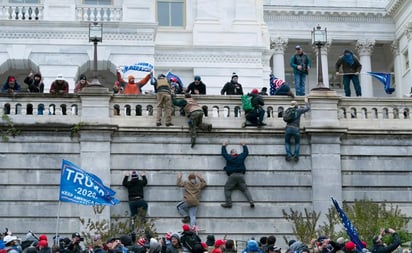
(28, 12)
(222, 111)
(99, 13)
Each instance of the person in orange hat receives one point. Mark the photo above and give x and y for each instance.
(132, 87)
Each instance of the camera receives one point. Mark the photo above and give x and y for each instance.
(387, 230)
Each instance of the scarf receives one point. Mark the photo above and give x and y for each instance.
(348, 58)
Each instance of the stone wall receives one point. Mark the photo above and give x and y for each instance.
(351, 149)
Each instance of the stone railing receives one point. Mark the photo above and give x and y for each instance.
(101, 13)
(27, 12)
(222, 111)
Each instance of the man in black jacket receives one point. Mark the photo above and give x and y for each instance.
(137, 204)
(235, 168)
(379, 247)
(232, 87)
(255, 116)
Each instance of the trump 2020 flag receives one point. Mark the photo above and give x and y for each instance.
(385, 79)
(84, 188)
(350, 229)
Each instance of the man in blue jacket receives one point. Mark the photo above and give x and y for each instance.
(235, 169)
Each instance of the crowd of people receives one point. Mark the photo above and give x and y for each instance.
(187, 241)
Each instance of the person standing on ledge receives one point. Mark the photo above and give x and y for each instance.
(301, 64)
(351, 68)
(232, 87)
(235, 168)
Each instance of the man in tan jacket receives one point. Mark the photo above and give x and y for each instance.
(191, 196)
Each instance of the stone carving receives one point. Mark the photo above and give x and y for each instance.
(365, 46)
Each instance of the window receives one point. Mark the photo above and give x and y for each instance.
(98, 2)
(170, 12)
(24, 1)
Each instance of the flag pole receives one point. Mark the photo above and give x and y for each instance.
(57, 224)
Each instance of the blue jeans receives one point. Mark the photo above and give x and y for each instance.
(356, 84)
(283, 90)
(289, 133)
(138, 207)
(300, 79)
(185, 209)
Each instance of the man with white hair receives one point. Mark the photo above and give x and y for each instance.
(293, 128)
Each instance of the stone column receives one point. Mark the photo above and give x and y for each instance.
(407, 80)
(95, 141)
(278, 46)
(324, 133)
(400, 89)
(365, 48)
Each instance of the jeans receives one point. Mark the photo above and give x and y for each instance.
(356, 85)
(283, 90)
(138, 207)
(185, 210)
(300, 79)
(289, 133)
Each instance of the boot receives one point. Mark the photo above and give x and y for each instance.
(186, 219)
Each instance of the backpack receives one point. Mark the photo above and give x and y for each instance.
(246, 103)
(192, 243)
(290, 114)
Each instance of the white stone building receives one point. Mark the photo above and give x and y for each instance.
(210, 38)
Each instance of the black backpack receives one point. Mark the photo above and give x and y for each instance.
(290, 114)
(192, 242)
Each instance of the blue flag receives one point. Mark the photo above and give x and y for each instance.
(385, 79)
(140, 66)
(350, 229)
(170, 75)
(81, 187)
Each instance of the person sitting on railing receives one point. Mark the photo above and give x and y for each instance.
(279, 87)
(11, 86)
(132, 87)
(81, 83)
(59, 86)
(196, 87)
(232, 87)
(255, 116)
(34, 82)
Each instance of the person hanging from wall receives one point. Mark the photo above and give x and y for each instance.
(301, 63)
(235, 169)
(351, 68)
(292, 118)
(191, 197)
(195, 113)
(135, 187)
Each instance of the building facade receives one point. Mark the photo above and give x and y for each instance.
(212, 39)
